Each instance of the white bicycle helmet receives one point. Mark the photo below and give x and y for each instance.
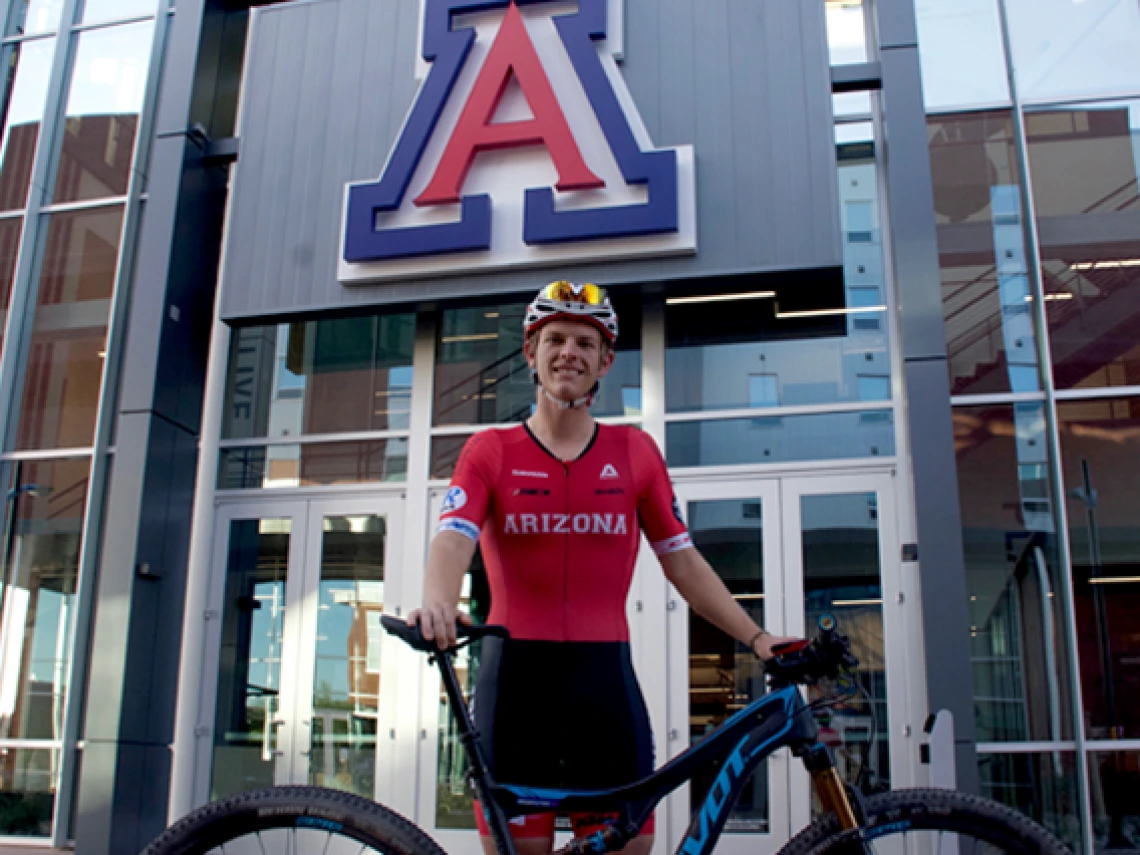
(567, 300)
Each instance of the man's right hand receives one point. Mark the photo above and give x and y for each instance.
(437, 623)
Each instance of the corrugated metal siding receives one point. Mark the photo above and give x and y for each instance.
(328, 84)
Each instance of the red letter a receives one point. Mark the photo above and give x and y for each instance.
(512, 52)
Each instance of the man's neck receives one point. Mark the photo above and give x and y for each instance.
(565, 433)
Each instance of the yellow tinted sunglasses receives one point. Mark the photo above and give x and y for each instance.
(567, 292)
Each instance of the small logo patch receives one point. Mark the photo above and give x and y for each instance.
(524, 473)
(608, 471)
(609, 491)
(455, 499)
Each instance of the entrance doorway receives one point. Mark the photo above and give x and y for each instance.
(301, 693)
(790, 550)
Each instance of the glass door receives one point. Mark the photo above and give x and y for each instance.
(841, 558)
(735, 525)
(300, 589)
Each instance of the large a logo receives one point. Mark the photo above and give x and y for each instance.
(522, 147)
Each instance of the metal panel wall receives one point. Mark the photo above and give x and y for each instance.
(328, 84)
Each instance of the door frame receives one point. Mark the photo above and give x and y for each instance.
(677, 739)
(305, 509)
(903, 652)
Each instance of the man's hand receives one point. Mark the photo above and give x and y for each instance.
(437, 623)
(762, 646)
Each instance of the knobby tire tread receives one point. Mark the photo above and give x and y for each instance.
(279, 807)
(932, 809)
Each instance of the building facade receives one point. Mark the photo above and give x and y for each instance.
(264, 272)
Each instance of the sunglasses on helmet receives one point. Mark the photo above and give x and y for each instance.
(567, 292)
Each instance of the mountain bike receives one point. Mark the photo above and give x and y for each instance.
(298, 819)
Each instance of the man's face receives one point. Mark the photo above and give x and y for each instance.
(569, 358)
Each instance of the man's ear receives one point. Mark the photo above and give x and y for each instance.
(529, 345)
(607, 360)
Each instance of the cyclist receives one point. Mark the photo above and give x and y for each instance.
(559, 504)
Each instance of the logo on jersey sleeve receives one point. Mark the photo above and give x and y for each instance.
(523, 147)
(455, 499)
(608, 471)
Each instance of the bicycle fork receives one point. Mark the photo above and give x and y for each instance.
(832, 793)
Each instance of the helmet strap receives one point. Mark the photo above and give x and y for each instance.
(585, 401)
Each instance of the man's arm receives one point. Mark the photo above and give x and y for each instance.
(706, 594)
(449, 556)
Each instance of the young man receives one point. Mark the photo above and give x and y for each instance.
(558, 505)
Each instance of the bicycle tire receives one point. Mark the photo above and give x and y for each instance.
(903, 811)
(311, 813)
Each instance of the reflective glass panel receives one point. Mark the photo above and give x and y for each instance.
(724, 677)
(842, 578)
(27, 790)
(1114, 783)
(1017, 617)
(961, 53)
(1085, 164)
(34, 16)
(777, 439)
(814, 333)
(1100, 448)
(313, 464)
(318, 377)
(103, 104)
(116, 10)
(990, 338)
(1042, 786)
(455, 801)
(482, 376)
(9, 245)
(41, 567)
(846, 31)
(346, 683)
(249, 669)
(24, 108)
(445, 454)
(69, 334)
(1074, 48)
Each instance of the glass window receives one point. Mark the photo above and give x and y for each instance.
(103, 107)
(961, 54)
(777, 439)
(481, 373)
(1017, 620)
(24, 108)
(809, 333)
(65, 358)
(1114, 780)
(1042, 786)
(27, 789)
(1074, 48)
(846, 31)
(34, 16)
(313, 464)
(9, 245)
(990, 338)
(445, 454)
(41, 566)
(1085, 163)
(1100, 447)
(116, 10)
(320, 377)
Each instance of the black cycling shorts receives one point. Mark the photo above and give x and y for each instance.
(562, 714)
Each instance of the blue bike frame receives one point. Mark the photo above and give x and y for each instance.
(776, 720)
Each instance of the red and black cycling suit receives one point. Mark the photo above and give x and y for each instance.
(558, 704)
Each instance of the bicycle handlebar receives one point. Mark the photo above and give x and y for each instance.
(808, 661)
(412, 636)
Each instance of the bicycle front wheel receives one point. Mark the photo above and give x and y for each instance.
(929, 822)
(293, 820)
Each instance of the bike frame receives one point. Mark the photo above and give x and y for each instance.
(777, 720)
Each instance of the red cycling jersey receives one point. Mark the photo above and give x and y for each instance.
(559, 538)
